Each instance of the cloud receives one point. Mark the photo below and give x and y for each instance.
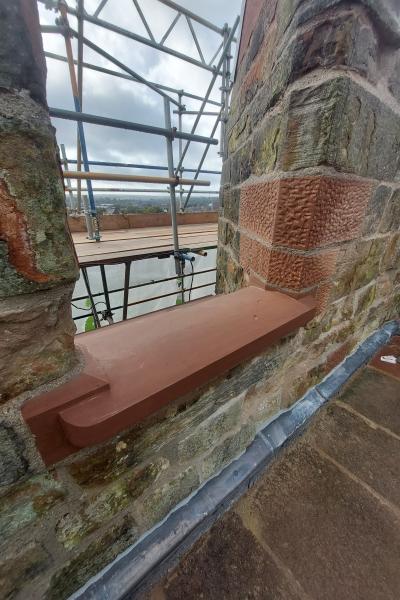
(114, 97)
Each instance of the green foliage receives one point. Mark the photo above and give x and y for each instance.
(89, 323)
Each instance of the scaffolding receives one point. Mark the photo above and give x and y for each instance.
(180, 184)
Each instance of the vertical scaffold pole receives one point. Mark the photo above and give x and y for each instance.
(80, 11)
(225, 89)
(180, 96)
(82, 141)
(88, 217)
(171, 172)
(65, 163)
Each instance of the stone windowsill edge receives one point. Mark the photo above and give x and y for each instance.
(160, 548)
(186, 347)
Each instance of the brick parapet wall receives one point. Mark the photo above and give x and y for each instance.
(77, 223)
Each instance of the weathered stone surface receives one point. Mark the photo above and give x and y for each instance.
(337, 39)
(165, 497)
(375, 209)
(359, 264)
(36, 248)
(266, 143)
(391, 217)
(36, 340)
(241, 378)
(210, 431)
(391, 253)
(261, 403)
(22, 62)
(18, 570)
(117, 458)
(91, 560)
(394, 77)
(132, 449)
(99, 508)
(385, 14)
(13, 463)
(338, 123)
(230, 204)
(28, 502)
(240, 164)
(334, 40)
(229, 272)
(229, 236)
(364, 298)
(227, 450)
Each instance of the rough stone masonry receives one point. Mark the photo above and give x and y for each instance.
(37, 260)
(311, 204)
(311, 187)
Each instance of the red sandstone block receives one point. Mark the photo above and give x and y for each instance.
(284, 269)
(250, 17)
(305, 212)
(258, 206)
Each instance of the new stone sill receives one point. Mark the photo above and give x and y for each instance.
(134, 368)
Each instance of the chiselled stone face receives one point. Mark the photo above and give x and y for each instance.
(312, 139)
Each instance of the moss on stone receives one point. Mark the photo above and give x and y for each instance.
(91, 560)
(19, 569)
(167, 496)
(27, 502)
(227, 450)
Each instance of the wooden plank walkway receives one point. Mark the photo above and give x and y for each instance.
(143, 242)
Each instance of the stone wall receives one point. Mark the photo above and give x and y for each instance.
(311, 185)
(37, 260)
(311, 205)
(59, 526)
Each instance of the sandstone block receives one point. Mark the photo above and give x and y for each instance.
(18, 570)
(358, 265)
(165, 497)
(13, 463)
(230, 204)
(339, 124)
(36, 340)
(100, 508)
(240, 164)
(261, 403)
(375, 209)
(226, 451)
(27, 502)
(391, 217)
(22, 62)
(91, 560)
(285, 269)
(394, 77)
(304, 212)
(232, 272)
(385, 13)
(204, 437)
(36, 250)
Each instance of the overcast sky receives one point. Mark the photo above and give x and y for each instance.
(122, 99)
